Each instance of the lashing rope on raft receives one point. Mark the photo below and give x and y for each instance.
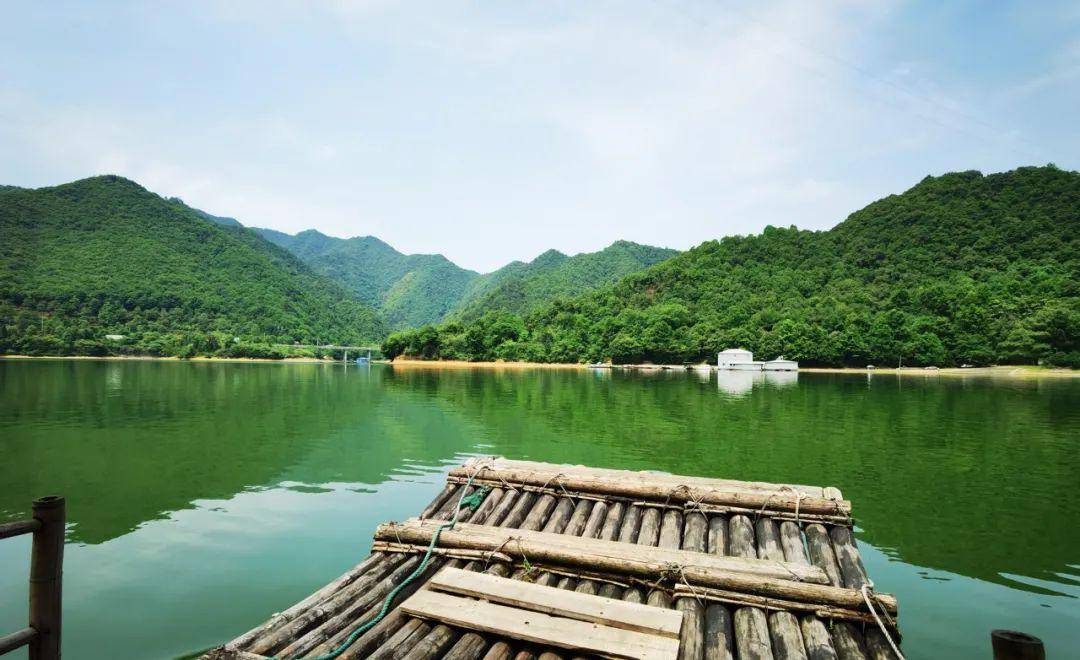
(471, 501)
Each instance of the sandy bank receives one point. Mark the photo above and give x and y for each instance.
(994, 372)
(463, 364)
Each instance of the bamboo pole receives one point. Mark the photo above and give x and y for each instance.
(671, 530)
(791, 542)
(613, 521)
(848, 641)
(692, 634)
(719, 624)
(441, 638)
(560, 516)
(822, 554)
(545, 550)
(46, 578)
(580, 518)
(496, 503)
(719, 633)
(718, 535)
(631, 524)
(767, 533)
(403, 640)
(776, 497)
(469, 646)
(741, 539)
(595, 524)
(533, 513)
(816, 638)
(752, 634)
(498, 651)
(786, 636)
(649, 533)
(851, 567)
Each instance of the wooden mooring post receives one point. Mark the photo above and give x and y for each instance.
(46, 572)
(1015, 645)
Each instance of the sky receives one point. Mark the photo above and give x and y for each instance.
(494, 131)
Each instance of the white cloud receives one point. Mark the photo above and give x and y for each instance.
(491, 133)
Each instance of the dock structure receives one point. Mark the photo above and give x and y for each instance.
(556, 561)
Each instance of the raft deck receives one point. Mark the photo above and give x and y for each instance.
(756, 570)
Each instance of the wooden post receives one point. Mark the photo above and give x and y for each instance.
(1013, 645)
(46, 571)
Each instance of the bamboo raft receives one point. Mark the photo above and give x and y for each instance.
(754, 570)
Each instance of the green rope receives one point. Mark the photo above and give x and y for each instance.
(471, 501)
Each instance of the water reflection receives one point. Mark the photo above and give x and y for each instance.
(218, 466)
(737, 383)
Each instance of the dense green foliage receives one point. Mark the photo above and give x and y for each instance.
(522, 288)
(103, 256)
(408, 289)
(962, 268)
(412, 290)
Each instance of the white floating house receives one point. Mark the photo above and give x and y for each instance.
(740, 359)
(780, 364)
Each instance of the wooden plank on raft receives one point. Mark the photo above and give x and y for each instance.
(668, 489)
(594, 553)
(558, 602)
(539, 628)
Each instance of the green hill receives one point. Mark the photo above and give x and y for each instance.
(105, 256)
(408, 289)
(520, 288)
(412, 290)
(961, 268)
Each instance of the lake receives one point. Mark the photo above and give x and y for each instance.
(202, 497)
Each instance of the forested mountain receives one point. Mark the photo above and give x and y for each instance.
(411, 290)
(961, 268)
(104, 256)
(520, 288)
(408, 289)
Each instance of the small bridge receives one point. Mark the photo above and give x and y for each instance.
(335, 349)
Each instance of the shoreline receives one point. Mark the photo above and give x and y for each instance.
(155, 358)
(1002, 371)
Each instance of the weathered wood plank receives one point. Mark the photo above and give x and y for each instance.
(554, 601)
(539, 628)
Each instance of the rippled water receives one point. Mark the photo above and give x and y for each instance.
(203, 497)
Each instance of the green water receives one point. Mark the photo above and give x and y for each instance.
(204, 497)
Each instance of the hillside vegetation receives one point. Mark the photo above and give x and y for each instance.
(961, 268)
(103, 256)
(520, 288)
(412, 290)
(409, 290)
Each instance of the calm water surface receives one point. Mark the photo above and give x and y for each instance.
(204, 497)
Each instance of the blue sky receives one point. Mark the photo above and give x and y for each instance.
(494, 131)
